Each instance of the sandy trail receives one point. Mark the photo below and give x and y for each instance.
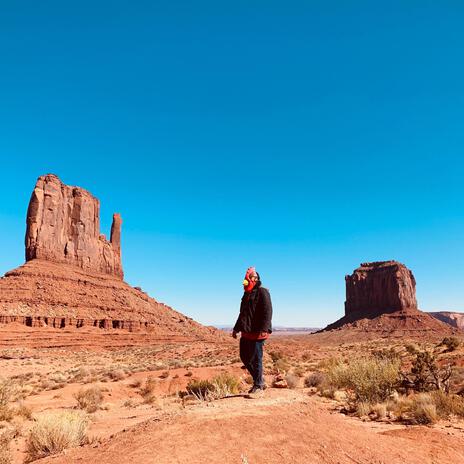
(285, 426)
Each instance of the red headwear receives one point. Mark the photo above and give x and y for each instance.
(249, 284)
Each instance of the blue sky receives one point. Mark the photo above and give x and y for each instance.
(300, 137)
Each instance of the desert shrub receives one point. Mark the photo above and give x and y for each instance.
(226, 384)
(292, 380)
(370, 379)
(22, 410)
(451, 343)
(222, 385)
(201, 389)
(426, 374)
(380, 410)
(411, 349)
(276, 355)
(299, 371)
(282, 365)
(448, 404)
(116, 374)
(136, 383)
(54, 432)
(148, 390)
(89, 399)
(149, 386)
(5, 455)
(316, 379)
(423, 410)
(7, 394)
(164, 375)
(363, 409)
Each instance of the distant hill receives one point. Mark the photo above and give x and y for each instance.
(449, 317)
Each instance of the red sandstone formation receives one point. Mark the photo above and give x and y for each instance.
(72, 277)
(381, 300)
(63, 226)
(380, 287)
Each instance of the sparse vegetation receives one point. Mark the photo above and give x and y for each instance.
(426, 374)
(451, 343)
(370, 379)
(315, 379)
(54, 432)
(292, 380)
(89, 399)
(5, 454)
(222, 385)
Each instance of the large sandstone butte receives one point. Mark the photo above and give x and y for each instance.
(73, 276)
(381, 301)
(380, 287)
(63, 226)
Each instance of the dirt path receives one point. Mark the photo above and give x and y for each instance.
(284, 426)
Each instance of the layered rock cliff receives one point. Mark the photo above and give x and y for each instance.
(63, 226)
(383, 286)
(381, 302)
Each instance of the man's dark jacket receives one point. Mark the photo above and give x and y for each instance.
(255, 311)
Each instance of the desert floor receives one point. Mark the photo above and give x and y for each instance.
(285, 425)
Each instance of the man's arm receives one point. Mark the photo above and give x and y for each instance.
(267, 310)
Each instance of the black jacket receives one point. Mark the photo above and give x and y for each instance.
(255, 311)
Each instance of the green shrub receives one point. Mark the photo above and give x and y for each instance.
(370, 379)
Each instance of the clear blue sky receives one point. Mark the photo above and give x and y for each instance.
(299, 137)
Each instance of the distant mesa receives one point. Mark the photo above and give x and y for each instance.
(63, 226)
(73, 275)
(380, 287)
(381, 299)
(452, 318)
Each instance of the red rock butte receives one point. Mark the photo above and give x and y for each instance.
(63, 226)
(73, 275)
(380, 287)
(381, 301)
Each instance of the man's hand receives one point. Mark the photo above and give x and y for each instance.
(233, 334)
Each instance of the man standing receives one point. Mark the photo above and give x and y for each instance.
(254, 323)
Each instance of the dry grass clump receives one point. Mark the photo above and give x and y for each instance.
(89, 399)
(116, 374)
(148, 390)
(423, 409)
(7, 394)
(54, 432)
(315, 379)
(292, 380)
(220, 386)
(22, 410)
(363, 408)
(369, 379)
(5, 455)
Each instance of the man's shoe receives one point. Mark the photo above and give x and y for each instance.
(256, 389)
